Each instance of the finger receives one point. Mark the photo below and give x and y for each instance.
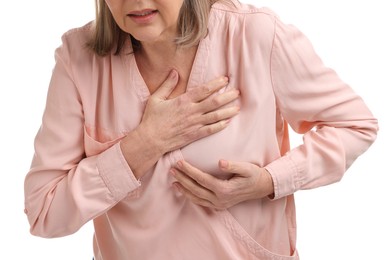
(203, 179)
(210, 129)
(200, 93)
(193, 198)
(191, 185)
(167, 86)
(218, 115)
(216, 101)
(240, 168)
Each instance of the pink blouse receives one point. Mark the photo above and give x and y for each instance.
(79, 174)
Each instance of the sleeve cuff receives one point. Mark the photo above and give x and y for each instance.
(284, 174)
(116, 173)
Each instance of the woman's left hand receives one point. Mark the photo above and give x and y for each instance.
(249, 181)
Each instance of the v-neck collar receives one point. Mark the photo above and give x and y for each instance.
(196, 77)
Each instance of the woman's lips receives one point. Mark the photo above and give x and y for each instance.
(143, 16)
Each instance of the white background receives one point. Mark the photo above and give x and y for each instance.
(347, 220)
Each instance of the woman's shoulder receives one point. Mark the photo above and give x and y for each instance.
(75, 51)
(83, 31)
(254, 24)
(236, 8)
(75, 40)
(79, 60)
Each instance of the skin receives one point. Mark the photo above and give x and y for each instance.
(169, 124)
(175, 117)
(248, 182)
(161, 29)
(159, 54)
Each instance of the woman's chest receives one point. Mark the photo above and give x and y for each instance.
(251, 136)
(116, 107)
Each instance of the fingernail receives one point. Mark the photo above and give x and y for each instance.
(179, 164)
(223, 164)
(172, 172)
(225, 79)
(173, 74)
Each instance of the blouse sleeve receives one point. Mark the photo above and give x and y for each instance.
(64, 189)
(336, 124)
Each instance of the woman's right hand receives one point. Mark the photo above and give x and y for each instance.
(173, 123)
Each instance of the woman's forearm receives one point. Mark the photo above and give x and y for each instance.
(140, 152)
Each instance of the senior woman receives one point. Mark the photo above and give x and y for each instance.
(166, 124)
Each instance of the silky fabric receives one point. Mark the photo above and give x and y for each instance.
(79, 173)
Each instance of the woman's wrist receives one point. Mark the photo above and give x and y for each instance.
(140, 151)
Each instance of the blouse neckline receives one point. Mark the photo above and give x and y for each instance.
(196, 77)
